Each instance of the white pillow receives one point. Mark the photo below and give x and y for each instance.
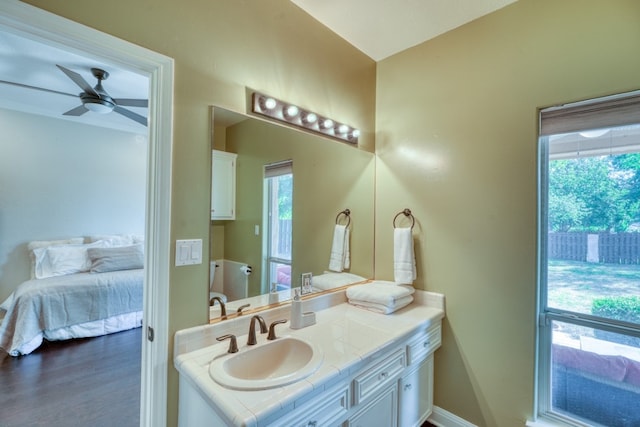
(60, 260)
(46, 243)
(119, 258)
(113, 240)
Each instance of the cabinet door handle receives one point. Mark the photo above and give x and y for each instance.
(408, 386)
(383, 375)
(426, 344)
(312, 424)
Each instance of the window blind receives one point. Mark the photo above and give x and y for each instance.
(611, 111)
(603, 126)
(278, 168)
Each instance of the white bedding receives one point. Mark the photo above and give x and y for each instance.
(72, 306)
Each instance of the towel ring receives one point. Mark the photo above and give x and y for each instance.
(346, 213)
(407, 213)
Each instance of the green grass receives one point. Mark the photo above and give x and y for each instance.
(573, 285)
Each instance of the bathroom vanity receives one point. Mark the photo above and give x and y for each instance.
(364, 369)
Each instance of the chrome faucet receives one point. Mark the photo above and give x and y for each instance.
(223, 309)
(252, 329)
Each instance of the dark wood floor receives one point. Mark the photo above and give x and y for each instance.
(84, 382)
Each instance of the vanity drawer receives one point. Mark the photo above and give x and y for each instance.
(424, 344)
(328, 409)
(372, 380)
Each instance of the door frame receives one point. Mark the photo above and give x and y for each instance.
(28, 21)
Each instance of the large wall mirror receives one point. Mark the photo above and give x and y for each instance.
(325, 178)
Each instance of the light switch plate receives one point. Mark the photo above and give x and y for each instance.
(188, 252)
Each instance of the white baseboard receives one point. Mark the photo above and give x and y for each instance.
(442, 418)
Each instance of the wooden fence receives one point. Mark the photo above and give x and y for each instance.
(284, 237)
(607, 248)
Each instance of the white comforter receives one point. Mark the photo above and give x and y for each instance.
(42, 305)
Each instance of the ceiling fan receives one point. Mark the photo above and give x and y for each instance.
(95, 99)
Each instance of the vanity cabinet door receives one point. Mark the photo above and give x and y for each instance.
(327, 410)
(377, 377)
(416, 394)
(424, 344)
(223, 185)
(381, 411)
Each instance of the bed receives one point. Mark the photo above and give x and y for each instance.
(78, 290)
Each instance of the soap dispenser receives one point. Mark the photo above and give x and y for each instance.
(273, 294)
(299, 319)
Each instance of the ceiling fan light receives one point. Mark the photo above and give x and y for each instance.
(100, 107)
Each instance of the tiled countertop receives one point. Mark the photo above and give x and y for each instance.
(350, 338)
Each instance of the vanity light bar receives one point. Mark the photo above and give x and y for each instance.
(288, 113)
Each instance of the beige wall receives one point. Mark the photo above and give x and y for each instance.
(456, 141)
(220, 47)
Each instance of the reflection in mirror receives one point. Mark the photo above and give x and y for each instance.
(290, 187)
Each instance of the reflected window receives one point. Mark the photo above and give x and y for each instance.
(278, 196)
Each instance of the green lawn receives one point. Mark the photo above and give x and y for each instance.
(573, 285)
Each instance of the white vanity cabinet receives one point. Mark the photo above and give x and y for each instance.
(396, 391)
(223, 185)
(387, 382)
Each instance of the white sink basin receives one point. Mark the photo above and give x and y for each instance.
(276, 363)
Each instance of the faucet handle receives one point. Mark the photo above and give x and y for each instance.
(242, 307)
(233, 343)
(272, 329)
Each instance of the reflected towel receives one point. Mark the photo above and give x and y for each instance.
(381, 308)
(339, 259)
(331, 280)
(379, 292)
(404, 260)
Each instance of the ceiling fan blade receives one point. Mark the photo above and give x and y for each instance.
(37, 88)
(77, 79)
(78, 111)
(131, 115)
(124, 102)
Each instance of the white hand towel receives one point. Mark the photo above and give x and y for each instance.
(404, 261)
(379, 292)
(339, 259)
(381, 308)
(333, 280)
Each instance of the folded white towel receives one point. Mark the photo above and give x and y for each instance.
(339, 259)
(379, 292)
(331, 280)
(381, 308)
(404, 260)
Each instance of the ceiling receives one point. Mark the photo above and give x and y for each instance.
(379, 28)
(33, 63)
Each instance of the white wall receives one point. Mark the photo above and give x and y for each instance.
(61, 179)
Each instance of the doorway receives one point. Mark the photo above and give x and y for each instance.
(27, 21)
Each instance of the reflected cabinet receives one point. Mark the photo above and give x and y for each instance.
(223, 185)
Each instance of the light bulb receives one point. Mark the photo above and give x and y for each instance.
(310, 118)
(270, 103)
(327, 123)
(343, 129)
(291, 111)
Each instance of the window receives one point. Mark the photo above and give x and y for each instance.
(278, 189)
(589, 263)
